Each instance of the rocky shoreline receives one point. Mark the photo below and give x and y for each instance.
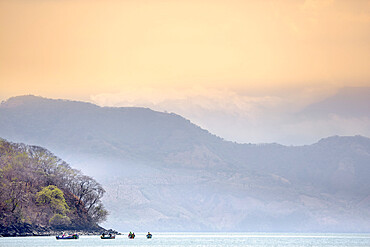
(25, 229)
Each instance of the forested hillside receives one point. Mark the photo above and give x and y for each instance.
(40, 189)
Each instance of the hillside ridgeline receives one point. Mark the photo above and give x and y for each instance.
(163, 173)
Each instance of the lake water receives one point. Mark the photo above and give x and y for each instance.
(201, 239)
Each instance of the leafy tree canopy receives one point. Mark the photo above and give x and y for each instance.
(52, 196)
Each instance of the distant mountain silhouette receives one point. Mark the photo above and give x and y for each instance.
(347, 102)
(163, 173)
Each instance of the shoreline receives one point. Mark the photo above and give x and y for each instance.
(28, 230)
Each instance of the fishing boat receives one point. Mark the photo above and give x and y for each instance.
(131, 235)
(73, 236)
(149, 235)
(107, 236)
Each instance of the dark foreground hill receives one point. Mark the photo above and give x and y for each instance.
(163, 173)
(40, 194)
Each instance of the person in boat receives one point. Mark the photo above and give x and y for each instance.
(103, 234)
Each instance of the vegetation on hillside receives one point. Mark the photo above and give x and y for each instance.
(38, 188)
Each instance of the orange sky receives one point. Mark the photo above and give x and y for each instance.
(78, 48)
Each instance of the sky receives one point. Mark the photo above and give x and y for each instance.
(237, 68)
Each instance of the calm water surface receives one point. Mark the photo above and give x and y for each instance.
(200, 239)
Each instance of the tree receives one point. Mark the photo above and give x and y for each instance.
(14, 183)
(89, 193)
(98, 213)
(53, 197)
(59, 220)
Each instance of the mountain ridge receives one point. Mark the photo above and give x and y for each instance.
(338, 104)
(170, 174)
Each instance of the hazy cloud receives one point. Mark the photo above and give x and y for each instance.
(243, 118)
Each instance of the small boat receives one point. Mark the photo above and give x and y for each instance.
(73, 236)
(131, 235)
(107, 236)
(149, 235)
